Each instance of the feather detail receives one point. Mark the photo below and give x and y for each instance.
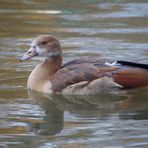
(130, 77)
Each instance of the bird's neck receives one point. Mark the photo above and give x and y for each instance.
(41, 75)
(52, 64)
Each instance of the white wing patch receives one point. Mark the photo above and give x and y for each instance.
(112, 64)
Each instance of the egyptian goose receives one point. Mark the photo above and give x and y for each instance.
(85, 76)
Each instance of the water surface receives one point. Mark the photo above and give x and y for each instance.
(114, 29)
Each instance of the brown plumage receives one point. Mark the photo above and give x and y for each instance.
(88, 75)
(79, 70)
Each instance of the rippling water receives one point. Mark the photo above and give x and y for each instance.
(115, 28)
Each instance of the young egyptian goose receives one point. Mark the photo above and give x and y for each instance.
(85, 76)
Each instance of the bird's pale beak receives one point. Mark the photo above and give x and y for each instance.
(29, 54)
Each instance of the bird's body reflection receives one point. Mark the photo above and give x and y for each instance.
(99, 107)
(54, 118)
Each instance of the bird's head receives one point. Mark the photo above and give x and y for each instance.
(43, 45)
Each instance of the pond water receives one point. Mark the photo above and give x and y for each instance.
(108, 28)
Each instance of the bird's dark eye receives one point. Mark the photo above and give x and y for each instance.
(29, 52)
(43, 43)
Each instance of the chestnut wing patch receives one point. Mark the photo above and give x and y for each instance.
(131, 77)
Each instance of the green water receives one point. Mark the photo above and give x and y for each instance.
(108, 28)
